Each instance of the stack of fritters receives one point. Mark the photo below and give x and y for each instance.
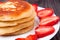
(16, 18)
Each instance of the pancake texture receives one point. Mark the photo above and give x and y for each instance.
(22, 31)
(16, 18)
(14, 23)
(15, 28)
(15, 10)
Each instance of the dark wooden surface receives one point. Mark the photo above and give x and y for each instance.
(55, 4)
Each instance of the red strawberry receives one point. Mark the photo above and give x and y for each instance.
(20, 39)
(45, 13)
(43, 31)
(31, 37)
(1, 2)
(35, 6)
(49, 21)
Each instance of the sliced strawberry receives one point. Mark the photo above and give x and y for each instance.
(45, 12)
(35, 6)
(20, 39)
(49, 21)
(1, 2)
(31, 37)
(43, 31)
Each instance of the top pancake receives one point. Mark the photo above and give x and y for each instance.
(10, 11)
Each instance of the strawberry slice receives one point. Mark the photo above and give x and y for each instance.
(43, 31)
(1, 2)
(49, 21)
(20, 39)
(35, 6)
(45, 12)
(31, 37)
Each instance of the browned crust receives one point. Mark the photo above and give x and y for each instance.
(23, 6)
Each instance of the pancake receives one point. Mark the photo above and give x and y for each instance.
(10, 11)
(14, 23)
(22, 31)
(15, 28)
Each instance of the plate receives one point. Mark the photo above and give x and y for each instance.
(33, 31)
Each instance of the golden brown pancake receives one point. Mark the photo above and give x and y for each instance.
(22, 31)
(16, 17)
(11, 11)
(14, 23)
(15, 28)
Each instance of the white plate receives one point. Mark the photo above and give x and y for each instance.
(32, 32)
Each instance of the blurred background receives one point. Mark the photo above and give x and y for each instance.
(54, 4)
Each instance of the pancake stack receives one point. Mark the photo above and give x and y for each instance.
(16, 18)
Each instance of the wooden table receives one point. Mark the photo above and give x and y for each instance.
(55, 4)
